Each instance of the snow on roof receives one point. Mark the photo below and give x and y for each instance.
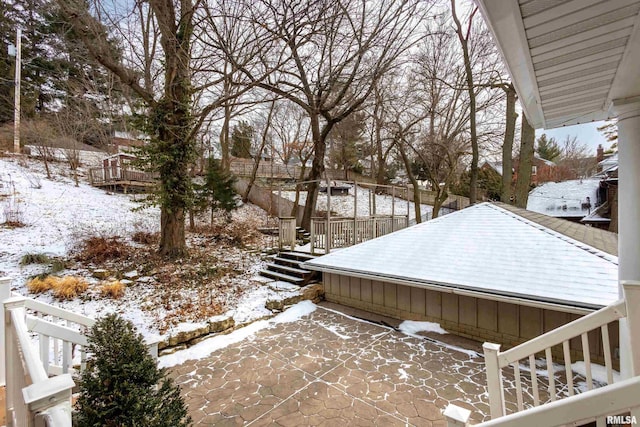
(545, 161)
(496, 166)
(487, 249)
(564, 199)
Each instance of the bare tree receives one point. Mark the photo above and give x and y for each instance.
(523, 181)
(506, 196)
(168, 58)
(463, 37)
(265, 137)
(336, 51)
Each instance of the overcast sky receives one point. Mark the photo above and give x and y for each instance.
(586, 133)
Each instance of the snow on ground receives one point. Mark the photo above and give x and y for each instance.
(343, 205)
(598, 372)
(58, 215)
(411, 327)
(208, 346)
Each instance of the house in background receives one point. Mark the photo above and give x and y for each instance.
(123, 142)
(606, 214)
(542, 170)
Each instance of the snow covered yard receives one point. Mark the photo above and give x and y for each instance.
(343, 205)
(219, 279)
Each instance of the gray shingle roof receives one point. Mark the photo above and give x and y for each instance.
(486, 248)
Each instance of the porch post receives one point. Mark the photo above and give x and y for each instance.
(5, 294)
(355, 212)
(628, 113)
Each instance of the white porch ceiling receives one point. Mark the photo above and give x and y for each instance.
(568, 59)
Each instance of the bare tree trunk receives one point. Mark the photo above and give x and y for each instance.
(317, 167)
(192, 220)
(523, 183)
(172, 232)
(296, 202)
(464, 42)
(414, 182)
(224, 139)
(507, 147)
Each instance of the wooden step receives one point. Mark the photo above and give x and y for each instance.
(287, 261)
(296, 255)
(295, 271)
(281, 276)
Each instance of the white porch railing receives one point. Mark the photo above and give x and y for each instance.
(572, 409)
(38, 375)
(344, 232)
(32, 396)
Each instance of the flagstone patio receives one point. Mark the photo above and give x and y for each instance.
(330, 369)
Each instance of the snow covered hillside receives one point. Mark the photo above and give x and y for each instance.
(161, 297)
(59, 213)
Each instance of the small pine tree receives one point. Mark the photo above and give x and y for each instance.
(217, 192)
(241, 139)
(122, 385)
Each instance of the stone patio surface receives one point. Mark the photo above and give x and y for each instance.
(330, 369)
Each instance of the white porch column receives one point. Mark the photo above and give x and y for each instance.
(628, 113)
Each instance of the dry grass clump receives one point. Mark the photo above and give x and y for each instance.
(99, 249)
(67, 287)
(113, 289)
(145, 237)
(39, 285)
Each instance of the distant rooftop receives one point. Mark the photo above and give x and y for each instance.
(566, 199)
(492, 250)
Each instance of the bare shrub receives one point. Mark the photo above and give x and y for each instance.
(145, 237)
(113, 289)
(241, 232)
(12, 205)
(100, 248)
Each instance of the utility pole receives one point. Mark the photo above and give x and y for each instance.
(16, 110)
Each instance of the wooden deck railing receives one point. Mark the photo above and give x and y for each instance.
(344, 232)
(287, 233)
(529, 413)
(105, 176)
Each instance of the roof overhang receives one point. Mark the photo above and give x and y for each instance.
(568, 59)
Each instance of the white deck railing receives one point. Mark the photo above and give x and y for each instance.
(569, 410)
(32, 396)
(42, 346)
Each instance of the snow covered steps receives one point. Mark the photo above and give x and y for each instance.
(287, 266)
